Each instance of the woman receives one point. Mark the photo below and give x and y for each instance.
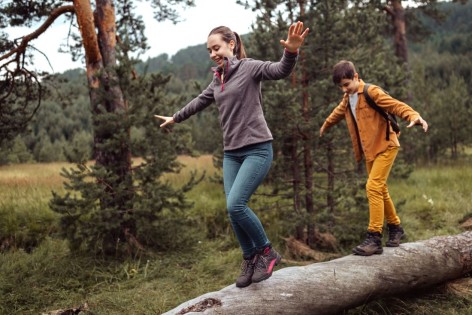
(236, 90)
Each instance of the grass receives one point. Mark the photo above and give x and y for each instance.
(29, 184)
(434, 200)
(25, 191)
(431, 202)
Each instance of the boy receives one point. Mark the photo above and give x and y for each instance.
(367, 130)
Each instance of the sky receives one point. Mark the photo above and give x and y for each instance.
(163, 37)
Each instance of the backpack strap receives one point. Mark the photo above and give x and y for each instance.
(374, 105)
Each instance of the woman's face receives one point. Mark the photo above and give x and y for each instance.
(218, 48)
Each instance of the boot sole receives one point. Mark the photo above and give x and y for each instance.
(361, 253)
(243, 285)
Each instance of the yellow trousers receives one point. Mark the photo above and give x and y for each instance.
(380, 204)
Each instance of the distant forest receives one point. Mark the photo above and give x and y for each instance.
(62, 128)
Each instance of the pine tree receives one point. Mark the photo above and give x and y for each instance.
(103, 209)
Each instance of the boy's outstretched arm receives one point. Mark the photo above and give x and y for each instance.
(419, 121)
(323, 129)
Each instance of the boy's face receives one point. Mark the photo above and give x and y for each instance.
(350, 86)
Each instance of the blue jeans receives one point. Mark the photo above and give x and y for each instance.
(243, 171)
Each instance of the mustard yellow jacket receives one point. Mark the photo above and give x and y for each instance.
(369, 137)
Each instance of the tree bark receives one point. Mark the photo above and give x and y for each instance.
(98, 29)
(397, 13)
(333, 286)
(93, 57)
(330, 201)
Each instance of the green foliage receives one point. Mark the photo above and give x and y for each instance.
(441, 101)
(15, 152)
(20, 98)
(440, 66)
(109, 211)
(25, 227)
(80, 148)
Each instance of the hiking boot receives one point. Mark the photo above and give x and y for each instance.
(371, 245)
(247, 270)
(395, 234)
(265, 263)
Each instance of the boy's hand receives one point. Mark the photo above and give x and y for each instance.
(322, 130)
(167, 120)
(419, 121)
(296, 36)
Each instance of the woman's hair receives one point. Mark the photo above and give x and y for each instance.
(343, 70)
(227, 35)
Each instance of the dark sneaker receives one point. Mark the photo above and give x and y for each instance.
(247, 270)
(371, 245)
(395, 234)
(265, 263)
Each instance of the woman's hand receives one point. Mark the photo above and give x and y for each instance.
(296, 36)
(167, 120)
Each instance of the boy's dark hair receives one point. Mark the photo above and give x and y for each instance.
(343, 70)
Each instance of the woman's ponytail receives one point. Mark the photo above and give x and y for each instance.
(239, 50)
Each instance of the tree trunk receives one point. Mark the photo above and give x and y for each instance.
(308, 166)
(330, 202)
(397, 13)
(98, 30)
(333, 286)
(296, 175)
(307, 147)
(114, 100)
(300, 228)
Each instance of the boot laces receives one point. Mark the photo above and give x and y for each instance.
(246, 266)
(393, 231)
(262, 262)
(369, 239)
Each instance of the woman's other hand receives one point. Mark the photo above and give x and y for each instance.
(167, 120)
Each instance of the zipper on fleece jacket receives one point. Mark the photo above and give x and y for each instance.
(225, 64)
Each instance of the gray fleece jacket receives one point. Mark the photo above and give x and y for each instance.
(239, 98)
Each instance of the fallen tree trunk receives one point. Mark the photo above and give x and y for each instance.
(340, 284)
